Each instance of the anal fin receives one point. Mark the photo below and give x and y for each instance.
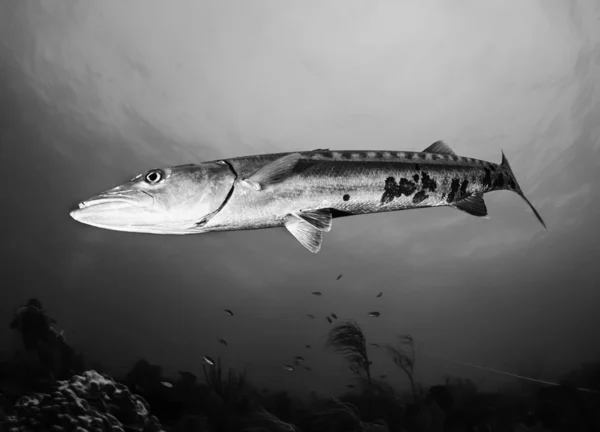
(473, 204)
(272, 172)
(321, 218)
(307, 234)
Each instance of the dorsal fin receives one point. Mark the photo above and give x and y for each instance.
(439, 147)
(308, 235)
(272, 172)
(473, 204)
(320, 219)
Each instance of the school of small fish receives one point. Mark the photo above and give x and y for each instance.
(297, 360)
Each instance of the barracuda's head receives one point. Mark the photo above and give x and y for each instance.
(176, 200)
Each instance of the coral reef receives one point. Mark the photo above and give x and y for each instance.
(45, 387)
(90, 402)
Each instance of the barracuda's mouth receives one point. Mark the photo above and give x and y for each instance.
(111, 210)
(106, 201)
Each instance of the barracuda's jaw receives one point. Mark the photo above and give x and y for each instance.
(121, 212)
(106, 202)
(100, 204)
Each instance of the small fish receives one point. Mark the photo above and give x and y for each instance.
(301, 191)
(229, 312)
(339, 276)
(384, 376)
(307, 346)
(299, 359)
(328, 319)
(350, 386)
(288, 368)
(223, 341)
(167, 384)
(308, 368)
(310, 316)
(334, 316)
(374, 345)
(380, 294)
(374, 314)
(208, 360)
(317, 293)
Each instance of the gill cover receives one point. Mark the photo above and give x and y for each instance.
(175, 200)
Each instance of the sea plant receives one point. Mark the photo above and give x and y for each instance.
(230, 388)
(348, 339)
(404, 358)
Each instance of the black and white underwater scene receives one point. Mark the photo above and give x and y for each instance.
(205, 225)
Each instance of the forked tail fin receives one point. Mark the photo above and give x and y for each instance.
(504, 164)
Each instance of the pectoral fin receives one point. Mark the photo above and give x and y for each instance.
(307, 234)
(439, 147)
(320, 219)
(272, 172)
(473, 204)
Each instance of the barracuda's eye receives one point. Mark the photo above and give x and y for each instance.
(154, 176)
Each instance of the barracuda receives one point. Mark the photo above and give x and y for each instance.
(301, 191)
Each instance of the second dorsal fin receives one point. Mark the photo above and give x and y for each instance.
(439, 147)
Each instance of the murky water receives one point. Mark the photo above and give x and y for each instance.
(94, 93)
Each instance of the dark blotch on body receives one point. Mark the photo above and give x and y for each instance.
(346, 197)
(326, 153)
(455, 158)
(463, 187)
(417, 167)
(487, 179)
(454, 186)
(416, 177)
(420, 196)
(499, 180)
(511, 182)
(428, 183)
(395, 190)
(409, 155)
